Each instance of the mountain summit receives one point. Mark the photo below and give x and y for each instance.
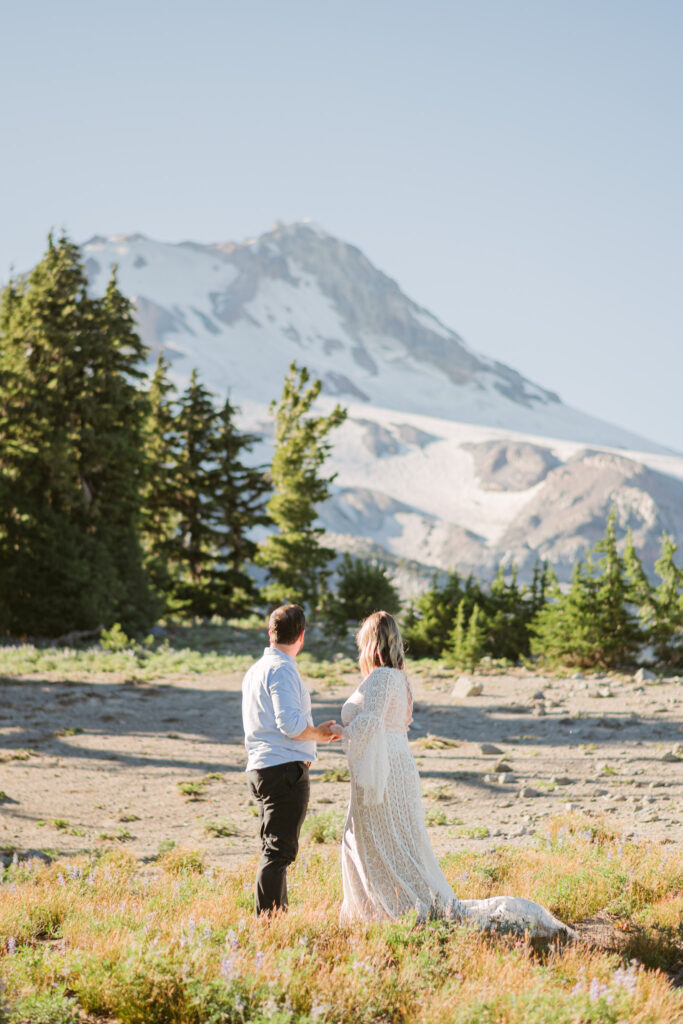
(447, 459)
(242, 312)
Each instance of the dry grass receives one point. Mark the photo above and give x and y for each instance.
(176, 942)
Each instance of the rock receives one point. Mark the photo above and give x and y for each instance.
(678, 750)
(672, 758)
(489, 748)
(467, 686)
(539, 710)
(578, 675)
(643, 675)
(600, 792)
(539, 695)
(503, 766)
(603, 691)
(505, 777)
(561, 780)
(570, 807)
(526, 792)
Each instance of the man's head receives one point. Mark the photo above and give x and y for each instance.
(286, 626)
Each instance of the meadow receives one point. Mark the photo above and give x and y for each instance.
(107, 938)
(150, 923)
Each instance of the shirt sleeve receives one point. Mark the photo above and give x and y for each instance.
(285, 691)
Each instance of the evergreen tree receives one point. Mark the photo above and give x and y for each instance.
(457, 653)
(507, 617)
(475, 639)
(590, 626)
(193, 547)
(563, 631)
(664, 614)
(159, 514)
(363, 587)
(239, 502)
(296, 560)
(428, 623)
(619, 635)
(71, 461)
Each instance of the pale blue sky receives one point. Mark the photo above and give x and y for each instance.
(515, 165)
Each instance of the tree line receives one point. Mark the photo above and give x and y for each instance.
(611, 616)
(122, 499)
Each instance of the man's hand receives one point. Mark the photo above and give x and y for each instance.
(328, 731)
(324, 733)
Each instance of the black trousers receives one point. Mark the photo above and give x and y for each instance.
(281, 793)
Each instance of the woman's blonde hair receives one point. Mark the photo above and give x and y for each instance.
(379, 643)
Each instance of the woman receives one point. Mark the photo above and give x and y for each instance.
(388, 865)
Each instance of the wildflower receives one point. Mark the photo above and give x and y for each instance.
(626, 979)
(191, 928)
(11, 945)
(258, 960)
(61, 879)
(229, 967)
(231, 940)
(206, 934)
(239, 1004)
(597, 990)
(15, 860)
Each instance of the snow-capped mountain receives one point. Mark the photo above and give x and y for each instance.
(443, 459)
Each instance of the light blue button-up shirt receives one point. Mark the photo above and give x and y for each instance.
(276, 706)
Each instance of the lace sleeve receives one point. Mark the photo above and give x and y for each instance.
(365, 740)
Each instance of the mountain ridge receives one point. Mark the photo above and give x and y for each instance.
(419, 399)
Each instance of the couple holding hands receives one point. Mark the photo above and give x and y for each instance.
(388, 865)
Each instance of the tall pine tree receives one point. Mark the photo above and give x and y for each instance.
(296, 560)
(239, 501)
(664, 615)
(71, 457)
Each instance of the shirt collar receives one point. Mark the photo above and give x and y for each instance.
(271, 652)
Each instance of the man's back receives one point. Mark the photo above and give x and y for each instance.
(276, 707)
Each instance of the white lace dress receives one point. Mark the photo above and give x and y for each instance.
(388, 865)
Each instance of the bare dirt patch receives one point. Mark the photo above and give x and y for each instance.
(96, 762)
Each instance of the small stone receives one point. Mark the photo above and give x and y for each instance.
(604, 691)
(672, 758)
(467, 686)
(644, 675)
(578, 675)
(526, 792)
(561, 780)
(539, 710)
(489, 748)
(539, 695)
(505, 777)
(600, 792)
(503, 766)
(570, 806)
(490, 778)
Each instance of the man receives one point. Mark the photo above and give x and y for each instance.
(281, 745)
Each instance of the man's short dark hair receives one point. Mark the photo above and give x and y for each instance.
(286, 623)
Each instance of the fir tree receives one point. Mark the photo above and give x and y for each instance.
(507, 617)
(296, 560)
(193, 547)
(619, 635)
(71, 462)
(239, 500)
(363, 586)
(159, 514)
(457, 650)
(428, 623)
(590, 626)
(475, 639)
(664, 614)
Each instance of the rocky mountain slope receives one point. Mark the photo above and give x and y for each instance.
(448, 459)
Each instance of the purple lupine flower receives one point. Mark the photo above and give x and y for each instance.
(11, 945)
(229, 967)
